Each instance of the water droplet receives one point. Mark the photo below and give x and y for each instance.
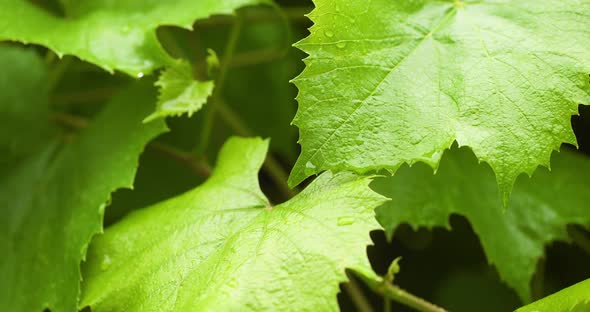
(139, 75)
(341, 45)
(329, 34)
(309, 168)
(345, 220)
(106, 262)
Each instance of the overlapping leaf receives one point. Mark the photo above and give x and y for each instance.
(513, 239)
(112, 34)
(53, 192)
(180, 92)
(575, 298)
(392, 82)
(222, 246)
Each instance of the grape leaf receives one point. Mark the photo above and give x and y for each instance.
(52, 198)
(252, 89)
(223, 247)
(575, 298)
(389, 82)
(180, 92)
(112, 34)
(513, 239)
(23, 81)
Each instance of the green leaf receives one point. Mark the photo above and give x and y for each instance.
(23, 102)
(575, 298)
(112, 34)
(52, 199)
(394, 81)
(513, 239)
(223, 247)
(180, 92)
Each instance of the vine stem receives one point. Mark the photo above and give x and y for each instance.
(56, 73)
(356, 294)
(197, 166)
(82, 97)
(219, 83)
(217, 105)
(386, 305)
(395, 293)
(201, 168)
(271, 164)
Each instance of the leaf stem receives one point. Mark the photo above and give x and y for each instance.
(71, 121)
(386, 304)
(199, 167)
(393, 292)
(219, 82)
(82, 97)
(57, 72)
(271, 165)
(356, 294)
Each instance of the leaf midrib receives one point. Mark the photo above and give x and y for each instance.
(439, 25)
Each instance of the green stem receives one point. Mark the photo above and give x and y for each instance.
(386, 305)
(71, 121)
(201, 168)
(57, 72)
(258, 57)
(82, 97)
(219, 82)
(271, 164)
(232, 119)
(356, 294)
(395, 293)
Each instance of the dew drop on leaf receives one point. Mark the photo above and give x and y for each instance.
(345, 220)
(329, 34)
(106, 262)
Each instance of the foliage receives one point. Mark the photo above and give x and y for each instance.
(571, 299)
(180, 92)
(111, 34)
(53, 197)
(513, 239)
(225, 242)
(412, 77)
(112, 113)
